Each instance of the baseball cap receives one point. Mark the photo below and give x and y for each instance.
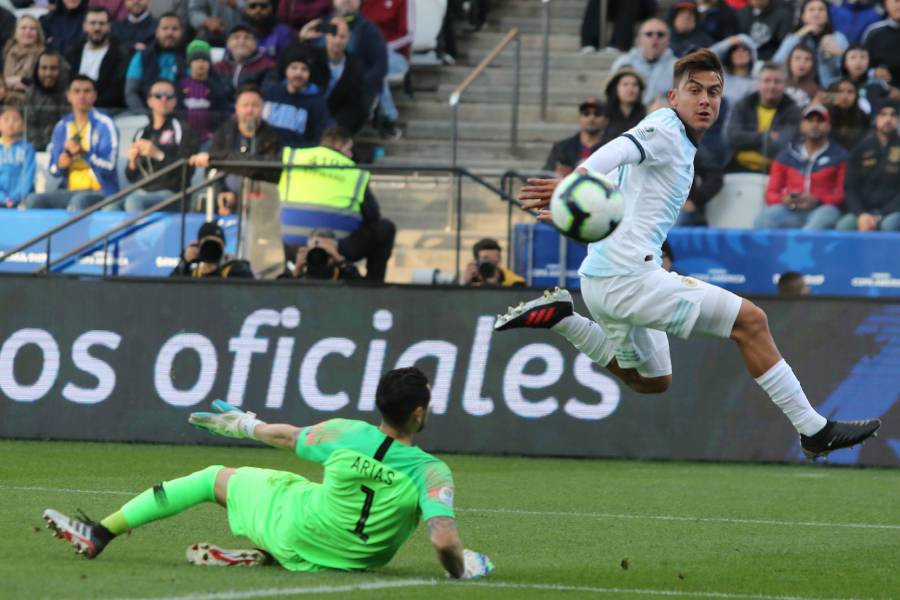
(211, 228)
(593, 102)
(243, 27)
(816, 109)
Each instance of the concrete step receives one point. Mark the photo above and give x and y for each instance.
(483, 92)
(529, 131)
(526, 24)
(470, 151)
(529, 75)
(573, 59)
(487, 40)
(562, 113)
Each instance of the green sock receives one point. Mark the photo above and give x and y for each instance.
(164, 500)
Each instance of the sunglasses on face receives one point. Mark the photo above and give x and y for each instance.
(659, 34)
(163, 96)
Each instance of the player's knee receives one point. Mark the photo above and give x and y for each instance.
(751, 322)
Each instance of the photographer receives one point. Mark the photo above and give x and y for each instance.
(206, 257)
(319, 259)
(486, 270)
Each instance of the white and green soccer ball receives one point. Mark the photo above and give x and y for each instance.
(586, 207)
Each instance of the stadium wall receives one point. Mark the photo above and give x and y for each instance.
(127, 360)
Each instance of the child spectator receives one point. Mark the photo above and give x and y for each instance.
(849, 124)
(17, 164)
(855, 67)
(204, 94)
(295, 107)
(802, 82)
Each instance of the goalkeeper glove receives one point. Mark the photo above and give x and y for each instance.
(227, 421)
(477, 564)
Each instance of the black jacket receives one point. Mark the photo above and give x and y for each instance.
(128, 34)
(347, 106)
(882, 42)
(567, 153)
(708, 177)
(7, 24)
(228, 269)
(872, 182)
(176, 141)
(111, 80)
(768, 28)
(741, 133)
(226, 146)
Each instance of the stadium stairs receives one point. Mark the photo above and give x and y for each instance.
(422, 205)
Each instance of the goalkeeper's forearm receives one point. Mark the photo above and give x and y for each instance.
(280, 435)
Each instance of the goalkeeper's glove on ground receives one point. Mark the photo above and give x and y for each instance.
(477, 564)
(227, 421)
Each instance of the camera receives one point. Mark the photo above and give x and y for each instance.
(326, 28)
(318, 264)
(487, 269)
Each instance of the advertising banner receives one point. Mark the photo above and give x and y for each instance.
(148, 249)
(744, 261)
(129, 360)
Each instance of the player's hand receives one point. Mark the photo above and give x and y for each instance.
(477, 564)
(227, 421)
(538, 192)
(544, 216)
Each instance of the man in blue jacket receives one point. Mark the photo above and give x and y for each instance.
(83, 152)
(17, 162)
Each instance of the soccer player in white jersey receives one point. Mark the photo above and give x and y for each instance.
(633, 301)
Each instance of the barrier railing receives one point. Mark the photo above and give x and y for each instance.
(223, 167)
(456, 95)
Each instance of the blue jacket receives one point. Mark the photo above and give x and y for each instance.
(101, 157)
(853, 19)
(299, 118)
(368, 45)
(17, 167)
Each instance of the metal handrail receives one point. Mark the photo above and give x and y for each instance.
(545, 55)
(456, 95)
(126, 224)
(181, 163)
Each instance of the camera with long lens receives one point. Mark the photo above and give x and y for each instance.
(487, 269)
(319, 264)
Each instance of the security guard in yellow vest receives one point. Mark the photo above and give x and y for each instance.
(335, 199)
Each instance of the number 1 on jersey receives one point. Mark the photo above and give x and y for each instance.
(367, 506)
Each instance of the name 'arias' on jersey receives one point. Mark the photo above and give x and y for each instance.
(586, 207)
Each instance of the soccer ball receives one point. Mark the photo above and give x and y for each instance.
(586, 208)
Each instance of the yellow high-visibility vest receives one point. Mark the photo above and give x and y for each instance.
(312, 198)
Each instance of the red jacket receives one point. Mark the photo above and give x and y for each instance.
(396, 19)
(298, 13)
(822, 174)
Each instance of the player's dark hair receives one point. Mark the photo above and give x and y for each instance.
(399, 393)
(485, 244)
(788, 279)
(697, 61)
(80, 77)
(667, 250)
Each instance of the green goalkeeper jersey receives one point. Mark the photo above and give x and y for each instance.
(374, 492)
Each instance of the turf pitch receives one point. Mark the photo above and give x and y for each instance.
(554, 528)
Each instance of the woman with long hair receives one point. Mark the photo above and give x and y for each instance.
(849, 124)
(738, 55)
(623, 100)
(20, 54)
(802, 79)
(856, 66)
(816, 32)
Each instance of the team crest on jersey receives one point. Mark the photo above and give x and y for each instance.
(646, 132)
(688, 281)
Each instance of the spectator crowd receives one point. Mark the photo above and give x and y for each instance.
(811, 100)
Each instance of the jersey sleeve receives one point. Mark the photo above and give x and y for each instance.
(436, 490)
(316, 442)
(658, 140)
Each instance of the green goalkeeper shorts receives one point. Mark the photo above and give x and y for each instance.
(267, 506)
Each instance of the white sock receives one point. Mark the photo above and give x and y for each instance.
(588, 337)
(784, 389)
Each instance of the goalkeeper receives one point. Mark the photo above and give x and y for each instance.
(376, 487)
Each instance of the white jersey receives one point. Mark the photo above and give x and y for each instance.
(655, 189)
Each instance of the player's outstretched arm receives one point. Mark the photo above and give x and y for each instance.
(459, 562)
(230, 421)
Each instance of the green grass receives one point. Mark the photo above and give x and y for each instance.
(741, 531)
